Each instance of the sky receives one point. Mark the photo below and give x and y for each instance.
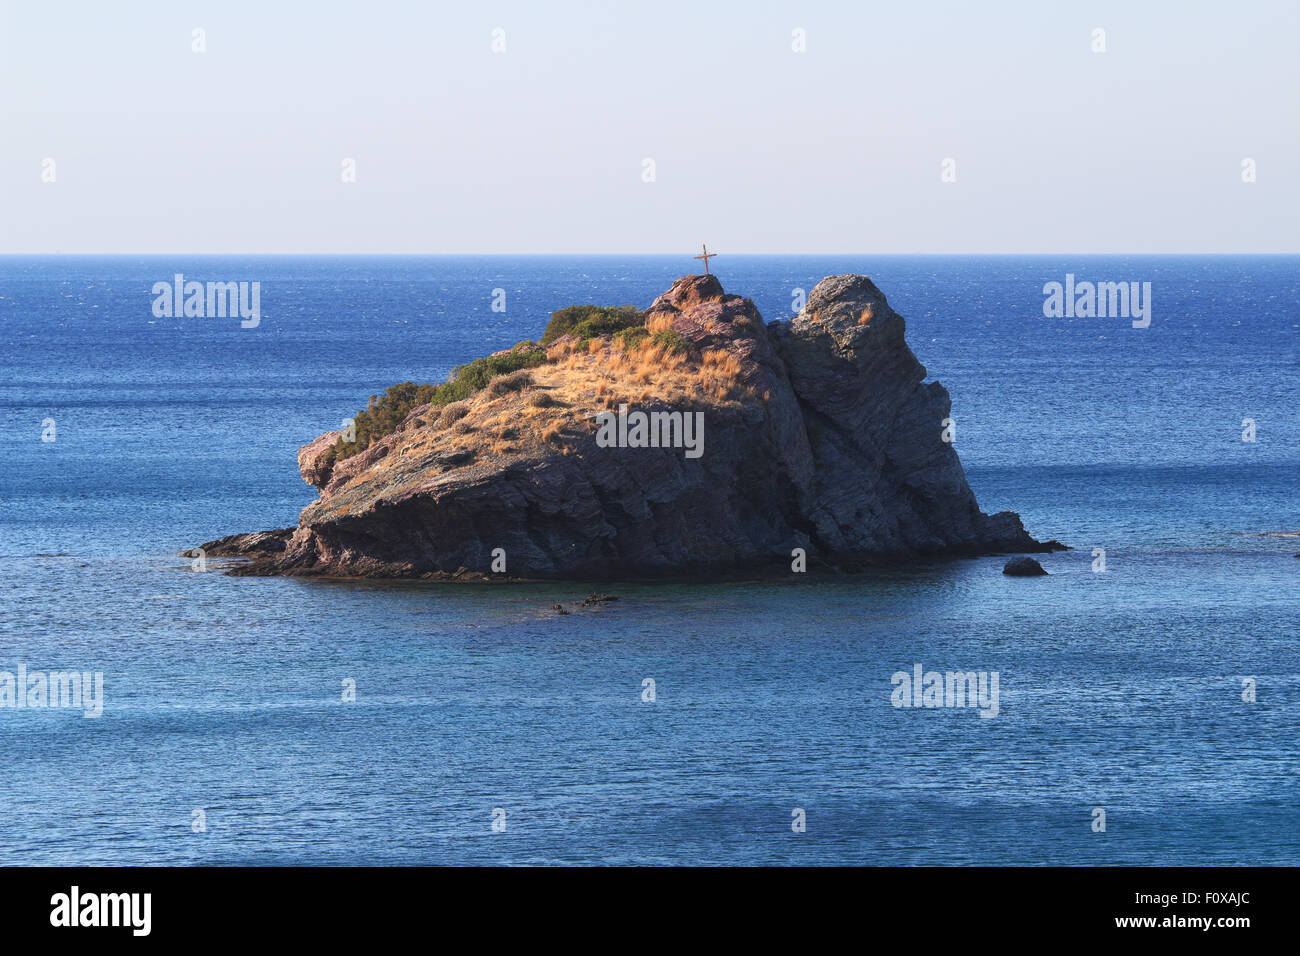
(606, 127)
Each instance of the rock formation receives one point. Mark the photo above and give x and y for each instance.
(1023, 567)
(819, 434)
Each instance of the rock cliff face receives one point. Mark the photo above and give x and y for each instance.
(819, 433)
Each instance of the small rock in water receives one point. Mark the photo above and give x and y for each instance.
(1023, 568)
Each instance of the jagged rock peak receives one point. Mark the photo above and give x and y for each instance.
(689, 291)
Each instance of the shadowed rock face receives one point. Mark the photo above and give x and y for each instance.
(1023, 568)
(826, 439)
(884, 480)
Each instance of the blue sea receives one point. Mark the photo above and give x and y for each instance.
(225, 738)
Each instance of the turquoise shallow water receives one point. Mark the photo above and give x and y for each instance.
(1119, 690)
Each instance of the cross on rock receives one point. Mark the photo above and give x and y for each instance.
(706, 257)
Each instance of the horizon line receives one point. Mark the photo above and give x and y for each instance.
(625, 255)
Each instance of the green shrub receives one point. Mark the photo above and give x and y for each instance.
(514, 382)
(670, 340)
(631, 338)
(453, 413)
(465, 380)
(384, 413)
(382, 416)
(589, 321)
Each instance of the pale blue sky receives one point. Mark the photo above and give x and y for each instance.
(756, 148)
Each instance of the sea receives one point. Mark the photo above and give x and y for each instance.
(1149, 686)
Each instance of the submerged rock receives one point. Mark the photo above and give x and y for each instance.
(243, 545)
(819, 434)
(1023, 568)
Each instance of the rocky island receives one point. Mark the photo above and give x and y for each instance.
(818, 437)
